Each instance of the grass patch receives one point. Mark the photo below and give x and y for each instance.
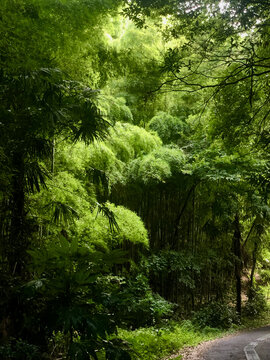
(252, 323)
(156, 343)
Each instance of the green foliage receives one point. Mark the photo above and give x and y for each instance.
(72, 184)
(19, 350)
(256, 304)
(216, 315)
(95, 230)
(71, 157)
(66, 286)
(149, 170)
(157, 167)
(40, 35)
(103, 167)
(169, 128)
(46, 105)
(174, 156)
(115, 109)
(140, 307)
(154, 343)
(64, 199)
(265, 276)
(136, 62)
(128, 141)
(37, 106)
(183, 265)
(106, 160)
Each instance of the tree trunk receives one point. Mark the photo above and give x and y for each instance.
(254, 261)
(179, 216)
(17, 240)
(238, 263)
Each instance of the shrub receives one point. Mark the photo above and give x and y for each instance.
(142, 307)
(76, 299)
(169, 128)
(19, 350)
(215, 315)
(256, 303)
(265, 276)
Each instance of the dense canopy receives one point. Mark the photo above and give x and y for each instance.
(135, 171)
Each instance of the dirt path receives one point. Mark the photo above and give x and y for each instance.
(232, 347)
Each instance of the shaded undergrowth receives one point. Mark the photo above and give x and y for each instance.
(154, 343)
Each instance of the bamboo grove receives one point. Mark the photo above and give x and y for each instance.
(134, 153)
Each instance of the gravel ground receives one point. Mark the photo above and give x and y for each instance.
(193, 353)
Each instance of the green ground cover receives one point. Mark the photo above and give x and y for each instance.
(156, 343)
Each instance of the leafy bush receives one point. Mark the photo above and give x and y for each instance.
(19, 350)
(256, 303)
(174, 156)
(265, 276)
(115, 109)
(215, 315)
(140, 306)
(129, 141)
(173, 262)
(169, 128)
(148, 170)
(75, 298)
(94, 229)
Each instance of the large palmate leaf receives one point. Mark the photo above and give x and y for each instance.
(35, 176)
